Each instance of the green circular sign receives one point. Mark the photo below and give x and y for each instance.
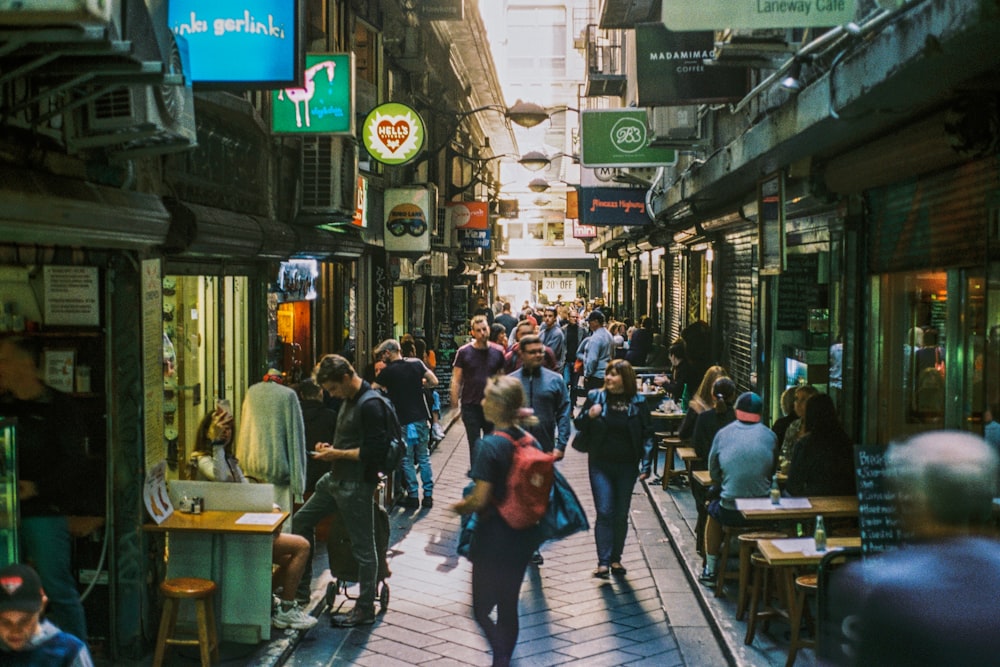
(393, 133)
(628, 135)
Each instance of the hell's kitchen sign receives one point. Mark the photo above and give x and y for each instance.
(613, 206)
(393, 133)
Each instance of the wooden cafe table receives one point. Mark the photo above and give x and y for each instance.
(786, 556)
(761, 509)
(233, 549)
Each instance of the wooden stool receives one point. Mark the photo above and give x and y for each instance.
(804, 585)
(658, 438)
(761, 594)
(728, 533)
(669, 446)
(189, 588)
(748, 543)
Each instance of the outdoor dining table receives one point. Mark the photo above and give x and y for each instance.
(786, 556)
(762, 509)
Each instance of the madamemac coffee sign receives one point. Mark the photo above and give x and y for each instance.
(393, 133)
(409, 216)
(620, 138)
(681, 15)
(324, 104)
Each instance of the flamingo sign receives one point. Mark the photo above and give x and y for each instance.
(323, 104)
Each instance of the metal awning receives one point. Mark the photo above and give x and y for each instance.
(42, 209)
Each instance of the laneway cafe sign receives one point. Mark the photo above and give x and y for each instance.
(324, 104)
(671, 69)
(613, 206)
(620, 138)
(393, 133)
(680, 15)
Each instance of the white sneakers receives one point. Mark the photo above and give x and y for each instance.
(293, 617)
(437, 431)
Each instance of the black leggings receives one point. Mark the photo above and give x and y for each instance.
(500, 557)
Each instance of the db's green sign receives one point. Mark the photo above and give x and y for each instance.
(393, 133)
(620, 138)
(325, 102)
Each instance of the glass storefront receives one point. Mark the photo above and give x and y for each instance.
(936, 341)
(206, 352)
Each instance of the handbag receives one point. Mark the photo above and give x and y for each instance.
(581, 442)
(565, 515)
(468, 531)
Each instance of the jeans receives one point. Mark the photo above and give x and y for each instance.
(48, 546)
(417, 435)
(355, 501)
(612, 484)
(476, 425)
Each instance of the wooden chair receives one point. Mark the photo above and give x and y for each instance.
(201, 591)
(804, 586)
(748, 543)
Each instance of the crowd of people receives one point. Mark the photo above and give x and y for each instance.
(518, 380)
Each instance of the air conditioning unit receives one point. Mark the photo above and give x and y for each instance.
(329, 175)
(672, 126)
(135, 121)
(752, 48)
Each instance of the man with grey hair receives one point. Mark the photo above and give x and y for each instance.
(933, 601)
(404, 379)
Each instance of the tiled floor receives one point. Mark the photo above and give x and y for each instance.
(651, 617)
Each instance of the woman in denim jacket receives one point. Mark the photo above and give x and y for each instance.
(617, 428)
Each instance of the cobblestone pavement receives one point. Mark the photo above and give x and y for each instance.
(651, 617)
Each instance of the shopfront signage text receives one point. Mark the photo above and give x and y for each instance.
(410, 213)
(252, 43)
(474, 238)
(619, 138)
(325, 102)
(613, 206)
(393, 133)
(680, 16)
(671, 69)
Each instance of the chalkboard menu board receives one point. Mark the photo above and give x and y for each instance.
(460, 308)
(877, 515)
(445, 358)
(798, 291)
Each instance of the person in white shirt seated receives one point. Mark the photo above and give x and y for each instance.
(213, 462)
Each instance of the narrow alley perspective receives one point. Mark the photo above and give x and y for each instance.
(656, 615)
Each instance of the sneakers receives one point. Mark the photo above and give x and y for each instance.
(410, 502)
(293, 617)
(437, 431)
(428, 503)
(708, 577)
(353, 618)
(536, 559)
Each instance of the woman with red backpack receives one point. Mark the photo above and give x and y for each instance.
(499, 551)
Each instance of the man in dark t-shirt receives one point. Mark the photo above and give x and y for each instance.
(474, 364)
(404, 379)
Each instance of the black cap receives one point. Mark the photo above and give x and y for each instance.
(595, 315)
(20, 589)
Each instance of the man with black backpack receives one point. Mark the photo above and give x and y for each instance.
(366, 424)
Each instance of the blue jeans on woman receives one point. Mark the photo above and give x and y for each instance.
(611, 484)
(417, 435)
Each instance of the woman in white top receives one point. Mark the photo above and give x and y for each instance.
(213, 462)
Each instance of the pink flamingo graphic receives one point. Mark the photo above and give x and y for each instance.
(296, 95)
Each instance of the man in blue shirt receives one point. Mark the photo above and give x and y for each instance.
(553, 337)
(546, 394)
(598, 351)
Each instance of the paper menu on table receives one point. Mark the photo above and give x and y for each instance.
(803, 545)
(766, 504)
(154, 493)
(259, 519)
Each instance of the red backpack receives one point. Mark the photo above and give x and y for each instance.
(529, 483)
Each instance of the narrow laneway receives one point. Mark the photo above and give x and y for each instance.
(650, 617)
